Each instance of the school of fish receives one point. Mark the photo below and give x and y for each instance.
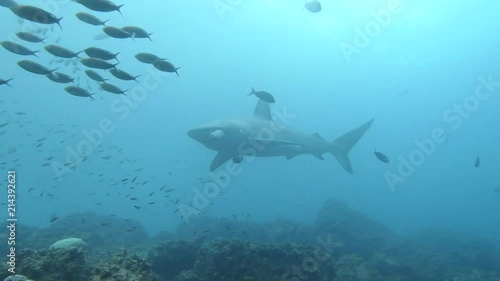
(98, 59)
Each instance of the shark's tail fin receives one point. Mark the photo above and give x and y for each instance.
(343, 145)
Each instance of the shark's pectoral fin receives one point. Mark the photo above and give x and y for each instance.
(219, 159)
(291, 155)
(238, 159)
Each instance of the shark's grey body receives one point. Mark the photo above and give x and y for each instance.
(261, 136)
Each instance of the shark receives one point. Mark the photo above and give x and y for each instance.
(267, 135)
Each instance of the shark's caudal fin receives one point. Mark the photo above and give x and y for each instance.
(343, 145)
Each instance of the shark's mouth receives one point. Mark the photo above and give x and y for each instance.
(206, 134)
(217, 134)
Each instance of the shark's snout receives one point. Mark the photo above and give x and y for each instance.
(196, 134)
(206, 134)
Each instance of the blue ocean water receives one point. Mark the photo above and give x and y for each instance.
(414, 66)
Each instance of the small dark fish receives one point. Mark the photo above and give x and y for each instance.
(61, 52)
(34, 67)
(5, 82)
(99, 53)
(95, 76)
(90, 19)
(176, 210)
(137, 32)
(104, 224)
(148, 58)
(134, 179)
(120, 74)
(116, 32)
(137, 207)
(165, 66)
(77, 91)
(177, 201)
(59, 77)
(133, 198)
(151, 203)
(381, 157)
(131, 229)
(112, 89)
(8, 3)
(100, 5)
(35, 14)
(53, 219)
(313, 6)
(18, 49)
(151, 194)
(478, 162)
(263, 95)
(227, 227)
(30, 189)
(97, 63)
(30, 37)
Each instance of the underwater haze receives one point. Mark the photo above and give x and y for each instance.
(425, 71)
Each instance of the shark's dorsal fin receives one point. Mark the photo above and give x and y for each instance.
(317, 135)
(219, 159)
(262, 110)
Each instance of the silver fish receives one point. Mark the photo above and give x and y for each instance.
(120, 74)
(35, 14)
(116, 32)
(61, 52)
(77, 91)
(90, 19)
(34, 67)
(112, 89)
(97, 63)
(165, 66)
(148, 58)
(18, 49)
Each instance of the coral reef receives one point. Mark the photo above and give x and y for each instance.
(342, 245)
(241, 261)
(172, 257)
(124, 266)
(101, 233)
(56, 264)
